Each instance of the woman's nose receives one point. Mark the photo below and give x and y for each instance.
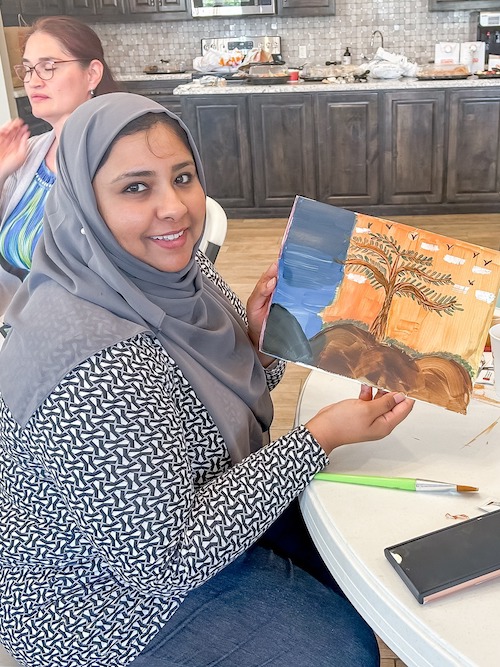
(170, 204)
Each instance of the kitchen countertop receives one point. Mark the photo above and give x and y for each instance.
(305, 87)
(301, 86)
(123, 78)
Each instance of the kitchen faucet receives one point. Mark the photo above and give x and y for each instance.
(372, 41)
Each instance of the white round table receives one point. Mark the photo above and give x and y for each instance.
(351, 524)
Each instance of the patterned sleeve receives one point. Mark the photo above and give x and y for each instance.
(276, 370)
(121, 446)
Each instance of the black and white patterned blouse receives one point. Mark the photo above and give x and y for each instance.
(118, 498)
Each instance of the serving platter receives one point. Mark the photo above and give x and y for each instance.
(268, 80)
(487, 75)
(442, 77)
(165, 71)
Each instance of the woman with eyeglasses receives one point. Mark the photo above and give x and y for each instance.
(63, 66)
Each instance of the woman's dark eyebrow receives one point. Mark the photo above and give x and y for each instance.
(40, 60)
(147, 173)
(134, 174)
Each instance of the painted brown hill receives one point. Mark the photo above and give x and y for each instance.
(347, 350)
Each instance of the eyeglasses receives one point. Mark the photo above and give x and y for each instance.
(44, 69)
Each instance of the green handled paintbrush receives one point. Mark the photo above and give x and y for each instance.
(404, 483)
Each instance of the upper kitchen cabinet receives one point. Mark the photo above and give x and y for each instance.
(295, 8)
(95, 8)
(446, 5)
(40, 7)
(158, 7)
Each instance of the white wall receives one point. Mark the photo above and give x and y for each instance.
(8, 108)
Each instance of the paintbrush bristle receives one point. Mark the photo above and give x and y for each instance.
(466, 489)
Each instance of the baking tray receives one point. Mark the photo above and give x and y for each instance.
(313, 78)
(165, 71)
(268, 80)
(488, 76)
(443, 77)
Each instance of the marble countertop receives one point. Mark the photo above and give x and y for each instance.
(233, 88)
(123, 78)
(303, 87)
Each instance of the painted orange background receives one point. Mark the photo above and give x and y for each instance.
(462, 333)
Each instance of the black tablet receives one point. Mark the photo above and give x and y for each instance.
(449, 559)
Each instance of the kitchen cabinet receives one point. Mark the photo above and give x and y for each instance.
(474, 146)
(282, 133)
(41, 7)
(220, 127)
(348, 148)
(158, 90)
(157, 6)
(447, 5)
(383, 152)
(95, 8)
(413, 147)
(295, 8)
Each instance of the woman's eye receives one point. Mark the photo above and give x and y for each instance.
(182, 179)
(136, 187)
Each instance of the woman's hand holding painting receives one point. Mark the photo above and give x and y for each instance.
(14, 137)
(359, 420)
(258, 305)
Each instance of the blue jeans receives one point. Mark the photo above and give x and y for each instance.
(262, 610)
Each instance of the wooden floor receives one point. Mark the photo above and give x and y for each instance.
(252, 245)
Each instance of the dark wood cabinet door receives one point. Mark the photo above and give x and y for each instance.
(413, 147)
(157, 6)
(447, 5)
(473, 151)
(35, 8)
(172, 5)
(220, 127)
(10, 12)
(282, 131)
(348, 148)
(142, 6)
(159, 91)
(95, 7)
(305, 7)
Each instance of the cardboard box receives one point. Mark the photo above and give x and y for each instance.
(14, 38)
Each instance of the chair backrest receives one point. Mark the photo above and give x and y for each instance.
(6, 660)
(215, 229)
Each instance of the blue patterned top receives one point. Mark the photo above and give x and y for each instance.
(109, 514)
(22, 229)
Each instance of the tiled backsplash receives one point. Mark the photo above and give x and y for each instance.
(407, 26)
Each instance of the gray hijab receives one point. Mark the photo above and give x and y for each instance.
(85, 293)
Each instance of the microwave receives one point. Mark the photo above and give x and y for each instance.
(207, 8)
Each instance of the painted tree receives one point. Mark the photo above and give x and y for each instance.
(399, 272)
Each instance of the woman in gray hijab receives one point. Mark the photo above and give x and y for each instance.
(133, 410)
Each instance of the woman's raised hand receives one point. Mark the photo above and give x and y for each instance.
(14, 137)
(359, 419)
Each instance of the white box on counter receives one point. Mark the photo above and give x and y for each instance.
(473, 55)
(447, 53)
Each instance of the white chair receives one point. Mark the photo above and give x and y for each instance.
(215, 231)
(6, 660)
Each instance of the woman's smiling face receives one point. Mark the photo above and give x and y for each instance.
(150, 197)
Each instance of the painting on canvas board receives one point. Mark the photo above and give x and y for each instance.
(396, 307)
